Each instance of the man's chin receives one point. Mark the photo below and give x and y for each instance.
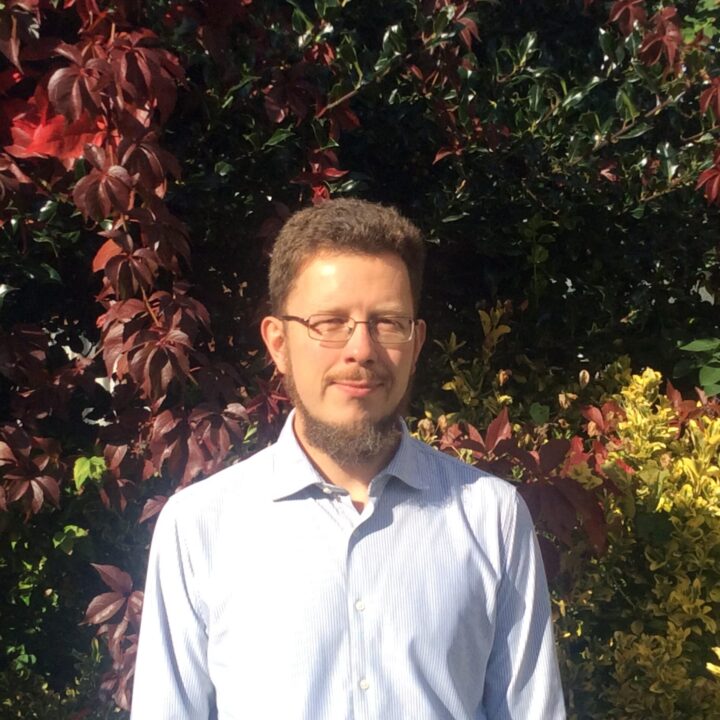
(355, 439)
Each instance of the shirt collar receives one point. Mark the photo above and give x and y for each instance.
(293, 470)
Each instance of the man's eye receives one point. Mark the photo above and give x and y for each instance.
(328, 324)
(389, 324)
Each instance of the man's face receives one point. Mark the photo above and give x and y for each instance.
(361, 383)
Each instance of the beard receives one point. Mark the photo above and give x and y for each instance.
(352, 443)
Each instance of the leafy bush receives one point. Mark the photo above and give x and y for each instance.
(628, 512)
(640, 624)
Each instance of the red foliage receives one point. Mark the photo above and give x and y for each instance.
(124, 606)
(628, 13)
(663, 39)
(29, 468)
(710, 98)
(559, 504)
(709, 181)
(322, 169)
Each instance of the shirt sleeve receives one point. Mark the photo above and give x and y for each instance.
(522, 681)
(171, 674)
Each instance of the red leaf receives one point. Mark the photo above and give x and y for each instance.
(108, 249)
(99, 192)
(103, 607)
(17, 489)
(499, 429)
(37, 497)
(50, 488)
(469, 31)
(626, 13)
(665, 39)
(709, 180)
(35, 134)
(596, 422)
(444, 152)
(576, 454)
(552, 454)
(608, 170)
(588, 509)
(134, 608)
(152, 507)
(114, 578)
(673, 395)
(710, 98)
(76, 89)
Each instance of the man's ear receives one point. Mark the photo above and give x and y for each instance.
(418, 340)
(272, 330)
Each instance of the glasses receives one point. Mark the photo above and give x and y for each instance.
(337, 329)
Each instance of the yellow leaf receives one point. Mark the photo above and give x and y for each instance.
(486, 322)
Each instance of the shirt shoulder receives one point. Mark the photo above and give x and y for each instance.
(489, 504)
(232, 487)
(450, 472)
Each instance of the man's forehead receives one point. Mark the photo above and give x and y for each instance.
(331, 272)
(329, 253)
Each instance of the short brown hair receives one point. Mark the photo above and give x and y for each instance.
(343, 226)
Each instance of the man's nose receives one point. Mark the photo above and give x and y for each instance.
(361, 347)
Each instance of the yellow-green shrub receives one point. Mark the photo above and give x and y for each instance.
(638, 626)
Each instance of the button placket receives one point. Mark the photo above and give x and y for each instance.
(357, 618)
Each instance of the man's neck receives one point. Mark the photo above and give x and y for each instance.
(355, 478)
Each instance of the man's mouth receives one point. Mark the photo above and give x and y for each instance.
(356, 387)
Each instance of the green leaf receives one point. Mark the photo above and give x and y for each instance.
(535, 97)
(709, 375)
(394, 40)
(625, 105)
(280, 135)
(527, 48)
(88, 468)
(702, 345)
(52, 273)
(712, 390)
(574, 97)
(538, 254)
(65, 539)
(223, 168)
(637, 131)
(301, 24)
(321, 6)
(346, 51)
(539, 413)
(668, 157)
(4, 290)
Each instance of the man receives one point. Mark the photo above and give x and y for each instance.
(348, 571)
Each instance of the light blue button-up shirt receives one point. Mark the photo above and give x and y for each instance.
(269, 597)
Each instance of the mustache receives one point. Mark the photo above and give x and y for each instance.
(358, 376)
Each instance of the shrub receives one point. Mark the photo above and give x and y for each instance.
(640, 624)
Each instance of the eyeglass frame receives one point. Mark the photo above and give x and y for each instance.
(372, 330)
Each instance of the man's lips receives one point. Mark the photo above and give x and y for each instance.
(356, 388)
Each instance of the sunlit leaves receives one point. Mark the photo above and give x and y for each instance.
(78, 88)
(107, 187)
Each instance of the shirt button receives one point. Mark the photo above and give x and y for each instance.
(359, 605)
(364, 684)
(327, 491)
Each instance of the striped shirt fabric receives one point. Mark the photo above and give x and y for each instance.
(269, 597)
